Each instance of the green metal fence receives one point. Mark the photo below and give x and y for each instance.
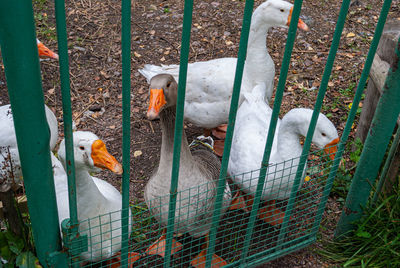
(239, 237)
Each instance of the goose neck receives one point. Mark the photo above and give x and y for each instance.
(85, 186)
(167, 120)
(258, 34)
(289, 145)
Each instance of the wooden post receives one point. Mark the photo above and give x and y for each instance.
(384, 58)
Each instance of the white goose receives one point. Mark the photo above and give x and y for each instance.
(249, 139)
(209, 83)
(9, 156)
(99, 203)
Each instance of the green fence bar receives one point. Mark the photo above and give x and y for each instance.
(385, 169)
(126, 124)
(378, 138)
(21, 62)
(187, 23)
(273, 122)
(318, 104)
(67, 114)
(244, 36)
(353, 110)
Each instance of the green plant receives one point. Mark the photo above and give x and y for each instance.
(375, 242)
(342, 182)
(16, 250)
(43, 27)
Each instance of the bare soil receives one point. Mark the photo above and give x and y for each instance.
(94, 29)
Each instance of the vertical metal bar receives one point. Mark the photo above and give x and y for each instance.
(126, 122)
(21, 62)
(244, 37)
(187, 23)
(273, 123)
(321, 94)
(378, 138)
(385, 169)
(67, 114)
(353, 110)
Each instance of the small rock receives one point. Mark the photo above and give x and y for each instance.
(95, 108)
(79, 48)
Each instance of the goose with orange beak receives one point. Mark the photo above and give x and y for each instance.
(209, 83)
(197, 182)
(98, 202)
(248, 143)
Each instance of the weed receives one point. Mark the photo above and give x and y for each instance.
(375, 242)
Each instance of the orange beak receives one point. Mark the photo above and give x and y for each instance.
(102, 159)
(300, 24)
(157, 101)
(44, 52)
(331, 148)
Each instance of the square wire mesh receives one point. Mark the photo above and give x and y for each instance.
(104, 233)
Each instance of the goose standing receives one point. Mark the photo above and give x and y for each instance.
(198, 175)
(209, 83)
(249, 139)
(99, 204)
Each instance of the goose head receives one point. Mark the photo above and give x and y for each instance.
(90, 153)
(45, 52)
(325, 134)
(277, 13)
(163, 94)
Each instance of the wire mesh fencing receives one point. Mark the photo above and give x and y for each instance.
(144, 249)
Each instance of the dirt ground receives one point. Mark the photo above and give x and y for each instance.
(94, 42)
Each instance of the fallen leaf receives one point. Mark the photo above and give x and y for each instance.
(228, 43)
(137, 55)
(51, 90)
(349, 35)
(152, 32)
(111, 127)
(330, 84)
(137, 153)
(162, 59)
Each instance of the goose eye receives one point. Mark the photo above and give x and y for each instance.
(82, 148)
(168, 84)
(323, 134)
(282, 10)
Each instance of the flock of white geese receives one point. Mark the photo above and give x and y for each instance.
(208, 96)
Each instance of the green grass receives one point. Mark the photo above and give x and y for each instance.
(375, 242)
(43, 27)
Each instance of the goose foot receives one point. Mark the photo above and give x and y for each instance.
(200, 260)
(239, 202)
(116, 260)
(219, 147)
(158, 247)
(269, 213)
(220, 131)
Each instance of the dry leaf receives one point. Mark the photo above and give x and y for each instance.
(137, 55)
(137, 153)
(330, 84)
(162, 59)
(228, 43)
(152, 32)
(349, 35)
(51, 90)
(111, 127)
